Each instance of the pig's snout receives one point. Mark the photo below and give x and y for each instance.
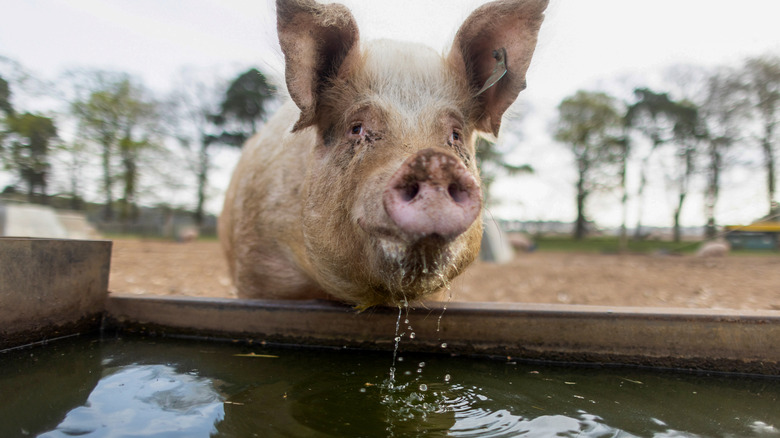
(433, 193)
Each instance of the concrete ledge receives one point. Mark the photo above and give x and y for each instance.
(729, 341)
(51, 288)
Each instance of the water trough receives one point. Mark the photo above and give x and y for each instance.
(51, 288)
(78, 361)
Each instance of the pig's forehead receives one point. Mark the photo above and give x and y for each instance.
(410, 74)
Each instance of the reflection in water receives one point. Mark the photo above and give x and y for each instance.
(145, 400)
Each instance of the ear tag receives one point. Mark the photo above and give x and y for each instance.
(498, 72)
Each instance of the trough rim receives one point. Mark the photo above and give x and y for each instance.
(733, 341)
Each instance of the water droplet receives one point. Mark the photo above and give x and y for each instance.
(443, 345)
(406, 321)
(447, 377)
(362, 390)
(423, 387)
(400, 359)
(407, 373)
(422, 364)
(397, 339)
(412, 335)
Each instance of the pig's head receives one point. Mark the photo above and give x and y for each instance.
(392, 197)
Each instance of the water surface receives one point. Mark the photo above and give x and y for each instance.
(152, 387)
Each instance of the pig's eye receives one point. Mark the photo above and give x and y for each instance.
(356, 129)
(455, 136)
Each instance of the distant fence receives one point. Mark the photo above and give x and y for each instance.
(151, 222)
(165, 230)
(156, 222)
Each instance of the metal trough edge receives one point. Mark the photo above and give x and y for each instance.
(713, 340)
(51, 288)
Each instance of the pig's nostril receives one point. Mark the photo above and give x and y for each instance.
(410, 191)
(456, 193)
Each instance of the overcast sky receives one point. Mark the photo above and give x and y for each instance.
(583, 44)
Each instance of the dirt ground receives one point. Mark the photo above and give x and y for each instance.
(734, 282)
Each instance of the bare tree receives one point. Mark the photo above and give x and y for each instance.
(590, 123)
(492, 163)
(761, 77)
(116, 112)
(8, 112)
(32, 138)
(194, 103)
(74, 158)
(208, 113)
(722, 112)
(651, 116)
(687, 135)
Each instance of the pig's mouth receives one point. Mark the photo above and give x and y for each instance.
(410, 271)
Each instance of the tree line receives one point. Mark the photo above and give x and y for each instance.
(125, 129)
(115, 119)
(698, 126)
(117, 124)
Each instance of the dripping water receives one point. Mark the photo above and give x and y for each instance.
(412, 335)
(443, 309)
(397, 339)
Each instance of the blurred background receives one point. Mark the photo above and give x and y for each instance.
(647, 126)
(145, 103)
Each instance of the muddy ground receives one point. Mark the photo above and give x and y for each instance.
(734, 282)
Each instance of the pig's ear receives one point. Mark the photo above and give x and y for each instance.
(316, 40)
(504, 26)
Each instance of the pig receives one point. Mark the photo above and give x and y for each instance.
(714, 248)
(187, 234)
(363, 187)
(522, 242)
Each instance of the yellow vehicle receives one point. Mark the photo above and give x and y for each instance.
(758, 235)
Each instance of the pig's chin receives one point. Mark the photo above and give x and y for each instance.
(404, 268)
(412, 270)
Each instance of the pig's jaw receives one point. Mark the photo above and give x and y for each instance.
(412, 271)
